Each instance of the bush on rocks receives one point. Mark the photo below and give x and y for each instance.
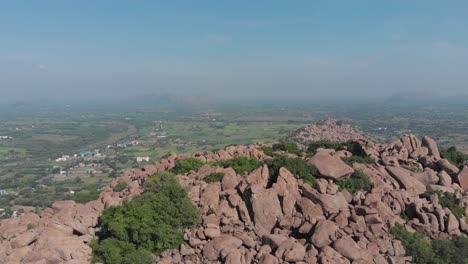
(186, 165)
(437, 251)
(297, 166)
(120, 187)
(289, 147)
(214, 177)
(357, 181)
(455, 157)
(152, 222)
(241, 165)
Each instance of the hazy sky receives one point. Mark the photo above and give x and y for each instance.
(83, 49)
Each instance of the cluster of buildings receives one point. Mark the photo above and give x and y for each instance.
(127, 144)
(83, 154)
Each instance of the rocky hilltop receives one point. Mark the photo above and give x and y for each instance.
(251, 219)
(329, 130)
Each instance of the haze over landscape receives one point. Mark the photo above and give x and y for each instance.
(74, 50)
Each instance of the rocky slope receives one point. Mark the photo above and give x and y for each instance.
(245, 220)
(328, 130)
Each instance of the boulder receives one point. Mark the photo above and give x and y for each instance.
(258, 176)
(329, 165)
(226, 243)
(268, 259)
(324, 234)
(266, 209)
(331, 203)
(445, 165)
(290, 251)
(427, 177)
(404, 177)
(431, 145)
(445, 179)
(309, 209)
(462, 178)
(229, 180)
(330, 256)
(209, 198)
(347, 247)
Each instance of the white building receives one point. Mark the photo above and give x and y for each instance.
(142, 159)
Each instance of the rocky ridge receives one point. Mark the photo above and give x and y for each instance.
(245, 220)
(327, 130)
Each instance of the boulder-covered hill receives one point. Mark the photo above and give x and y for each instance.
(257, 218)
(328, 130)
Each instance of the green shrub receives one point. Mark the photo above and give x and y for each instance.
(438, 251)
(446, 200)
(415, 244)
(155, 183)
(186, 165)
(214, 177)
(358, 159)
(268, 151)
(151, 222)
(114, 251)
(120, 187)
(455, 157)
(297, 166)
(289, 147)
(357, 181)
(241, 165)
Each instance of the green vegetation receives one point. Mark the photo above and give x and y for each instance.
(116, 251)
(268, 151)
(455, 157)
(446, 200)
(186, 165)
(438, 251)
(289, 147)
(214, 177)
(297, 166)
(357, 181)
(120, 187)
(358, 159)
(85, 196)
(241, 165)
(152, 222)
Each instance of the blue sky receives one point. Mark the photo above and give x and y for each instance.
(83, 49)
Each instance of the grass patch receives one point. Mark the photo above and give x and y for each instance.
(357, 181)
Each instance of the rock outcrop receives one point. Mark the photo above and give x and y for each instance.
(328, 130)
(249, 219)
